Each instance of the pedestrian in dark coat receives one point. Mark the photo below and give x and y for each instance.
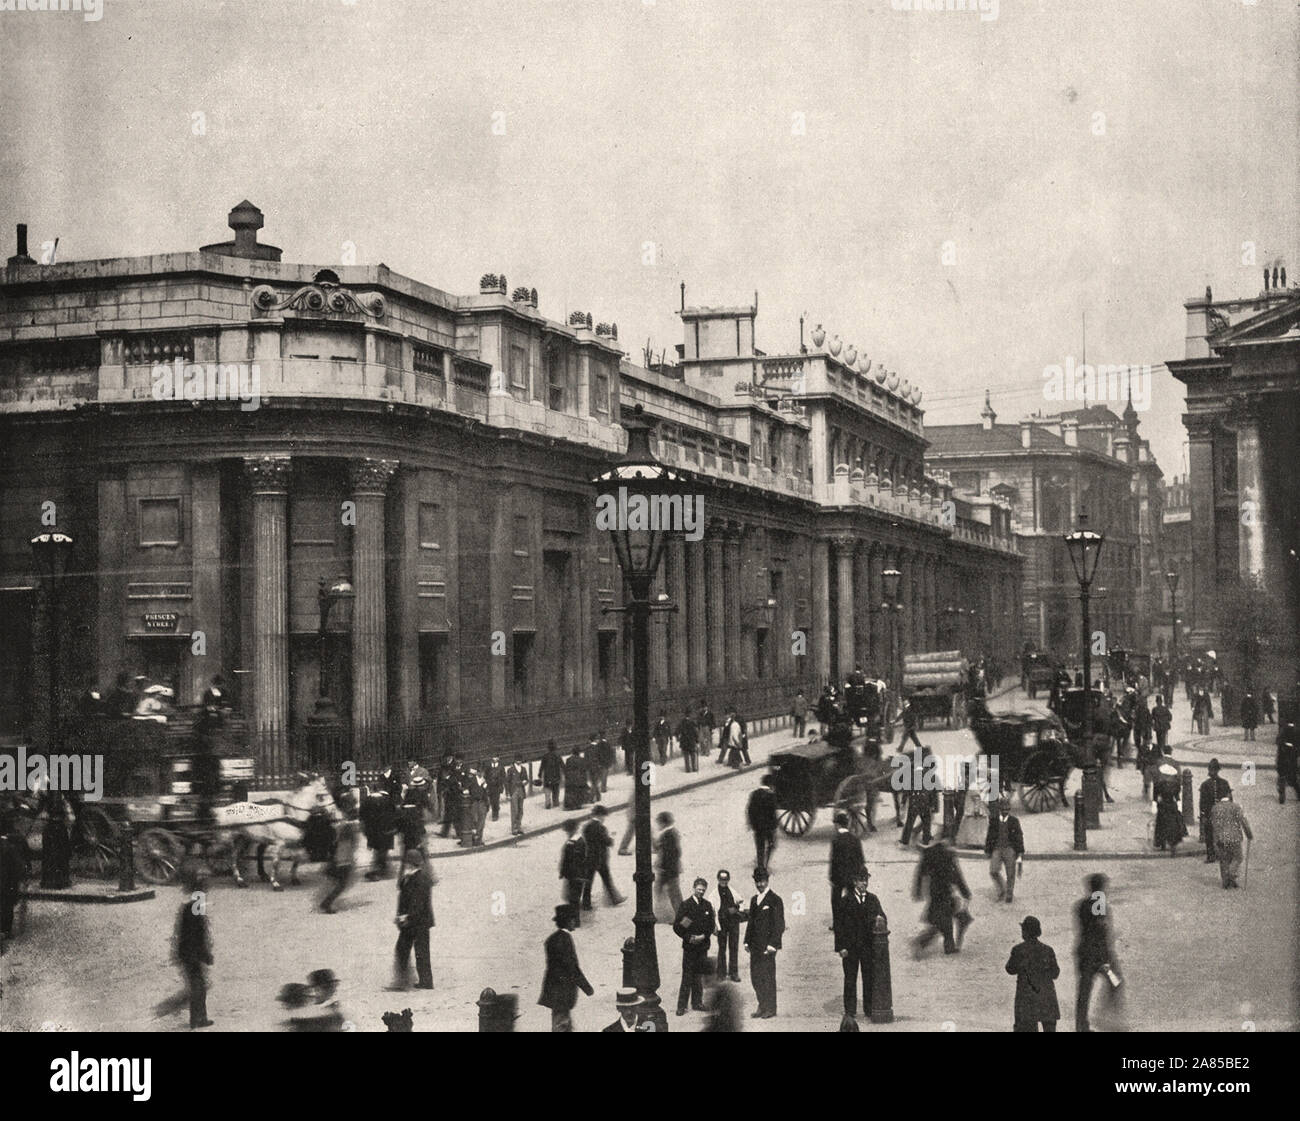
(733, 743)
(1249, 716)
(516, 778)
(15, 867)
(707, 723)
(603, 760)
(939, 869)
(495, 777)
(1288, 752)
(728, 912)
(1170, 829)
(449, 794)
(1004, 845)
(688, 738)
(661, 734)
(1212, 790)
(577, 781)
(627, 741)
(765, 917)
(668, 850)
(551, 772)
(192, 950)
(563, 977)
(855, 937)
(343, 854)
(1162, 718)
(761, 812)
(846, 861)
(414, 921)
(598, 841)
(56, 841)
(1033, 965)
(1094, 953)
(573, 867)
(694, 925)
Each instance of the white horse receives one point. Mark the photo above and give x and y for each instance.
(277, 826)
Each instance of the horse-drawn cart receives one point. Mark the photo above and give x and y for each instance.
(1031, 753)
(935, 685)
(814, 774)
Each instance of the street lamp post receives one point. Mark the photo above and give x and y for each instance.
(889, 580)
(50, 552)
(1084, 546)
(626, 494)
(1171, 578)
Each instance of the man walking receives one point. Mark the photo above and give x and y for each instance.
(516, 785)
(598, 842)
(728, 929)
(733, 743)
(193, 949)
(799, 714)
(573, 867)
(694, 925)
(1212, 790)
(706, 723)
(688, 739)
(661, 735)
(855, 934)
(1004, 845)
(761, 812)
(414, 921)
(495, 777)
(577, 783)
(1033, 965)
(344, 853)
(765, 919)
(1162, 718)
(846, 861)
(1288, 751)
(668, 849)
(1249, 716)
(1094, 953)
(551, 772)
(563, 977)
(1229, 824)
(939, 869)
(909, 727)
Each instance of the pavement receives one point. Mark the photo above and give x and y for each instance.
(1194, 957)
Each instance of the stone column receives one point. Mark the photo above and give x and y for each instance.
(1197, 595)
(876, 595)
(844, 590)
(862, 605)
(731, 564)
(205, 604)
(112, 578)
(697, 636)
(369, 480)
(821, 609)
(1253, 521)
(268, 477)
(677, 620)
(584, 565)
(716, 604)
(907, 596)
(658, 638)
(931, 606)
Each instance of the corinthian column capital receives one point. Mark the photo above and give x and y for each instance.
(371, 476)
(268, 472)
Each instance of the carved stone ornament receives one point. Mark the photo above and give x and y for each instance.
(323, 300)
(371, 476)
(268, 472)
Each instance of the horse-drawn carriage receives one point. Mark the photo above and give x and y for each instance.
(1032, 753)
(809, 775)
(1037, 671)
(935, 685)
(866, 702)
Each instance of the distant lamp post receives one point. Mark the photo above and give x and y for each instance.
(627, 493)
(1171, 579)
(1084, 546)
(50, 553)
(341, 591)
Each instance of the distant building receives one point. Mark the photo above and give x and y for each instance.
(1048, 469)
(1176, 544)
(1242, 372)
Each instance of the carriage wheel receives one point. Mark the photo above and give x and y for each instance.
(95, 849)
(1039, 784)
(795, 822)
(854, 796)
(158, 856)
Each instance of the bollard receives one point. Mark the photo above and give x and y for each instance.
(125, 857)
(949, 816)
(629, 949)
(497, 1012)
(1080, 823)
(882, 989)
(1092, 795)
(1189, 803)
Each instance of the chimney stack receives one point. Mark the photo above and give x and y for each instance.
(1070, 433)
(1026, 433)
(21, 257)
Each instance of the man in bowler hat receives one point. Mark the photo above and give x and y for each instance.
(694, 925)
(414, 921)
(855, 933)
(1033, 965)
(563, 977)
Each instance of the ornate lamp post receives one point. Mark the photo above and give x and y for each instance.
(1084, 546)
(889, 580)
(626, 495)
(1171, 578)
(50, 553)
(341, 591)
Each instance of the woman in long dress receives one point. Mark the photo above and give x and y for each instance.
(56, 842)
(1169, 816)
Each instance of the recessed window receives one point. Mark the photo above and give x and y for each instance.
(519, 367)
(602, 393)
(160, 521)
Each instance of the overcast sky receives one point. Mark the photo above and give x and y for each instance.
(1101, 158)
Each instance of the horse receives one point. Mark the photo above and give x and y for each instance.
(277, 825)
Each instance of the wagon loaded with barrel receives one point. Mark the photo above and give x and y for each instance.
(935, 684)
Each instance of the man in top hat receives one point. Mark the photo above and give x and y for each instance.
(573, 866)
(765, 917)
(1212, 789)
(761, 812)
(1004, 845)
(628, 1002)
(846, 860)
(694, 925)
(1033, 965)
(598, 842)
(1095, 951)
(563, 977)
(414, 921)
(939, 871)
(855, 933)
(516, 779)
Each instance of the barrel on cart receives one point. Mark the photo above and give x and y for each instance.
(935, 684)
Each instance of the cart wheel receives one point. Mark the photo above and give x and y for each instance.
(1038, 785)
(158, 856)
(795, 822)
(94, 848)
(854, 796)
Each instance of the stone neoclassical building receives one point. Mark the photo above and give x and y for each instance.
(220, 432)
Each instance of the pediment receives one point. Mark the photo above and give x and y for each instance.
(1279, 322)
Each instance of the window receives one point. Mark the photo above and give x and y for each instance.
(601, 403)
(523, 666)
(433, 672)
(553, 364)
(605, 659)
(518, 367)
(774, 452)
(160, 521)
(433, 526)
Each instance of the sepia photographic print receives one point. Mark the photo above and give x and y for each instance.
(650, 516)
